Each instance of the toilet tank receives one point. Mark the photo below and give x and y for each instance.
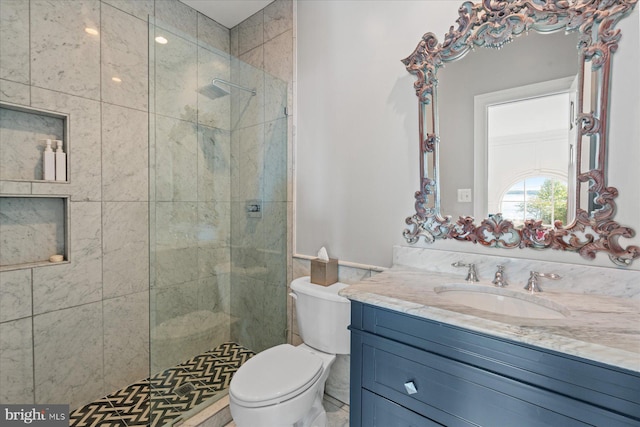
(323, 316)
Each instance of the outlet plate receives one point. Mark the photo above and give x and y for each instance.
(464, 195)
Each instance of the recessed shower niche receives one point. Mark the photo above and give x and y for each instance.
(23, 132)
(32, 229)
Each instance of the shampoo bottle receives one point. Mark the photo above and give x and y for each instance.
(61, 163)
(48, 163)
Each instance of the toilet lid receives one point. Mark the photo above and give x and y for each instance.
(275, 375)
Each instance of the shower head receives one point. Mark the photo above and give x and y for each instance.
(215, 90)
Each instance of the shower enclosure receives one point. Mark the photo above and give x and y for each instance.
(218, 201)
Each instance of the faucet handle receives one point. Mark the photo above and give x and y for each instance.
(499, 279)
(532, 284)
(472, 273)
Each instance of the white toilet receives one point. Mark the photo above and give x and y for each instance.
(283, 386)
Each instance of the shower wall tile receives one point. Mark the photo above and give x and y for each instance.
(254, 57)
(233, 40)
(126, 340)
(214, 293)
(275, 165)
(212, 33)
(80, 282)
(124, 154)
(16, 93)
(214, 236)
(246, 302)
(84, 144)
(16, 362)
(125, 234)
(247, 237)
(278, 18)
(176, 160)
(251, 32)
(176, 79)
(124, 48)
(14, 40)
(247, 161)
(173, 301)
(247, 109)
(176, 225)
(214, 108)
(32, 229)
(275, 242)
(68, 355)
(214, 224)
(178, 15)
(176, 266)
(214, 164)
(176, 250)
(63, 56)
(274, 315)
(275, 93)
(276, 61)
(138, 8)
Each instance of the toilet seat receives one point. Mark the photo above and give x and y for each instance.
(275, 375)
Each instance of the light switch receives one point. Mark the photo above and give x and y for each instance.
(464, 195)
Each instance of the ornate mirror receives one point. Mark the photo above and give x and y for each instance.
(533, 140)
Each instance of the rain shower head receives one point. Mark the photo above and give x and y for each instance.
(216, 90)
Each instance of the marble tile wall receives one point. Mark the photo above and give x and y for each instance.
(75, 332)
(261, 140)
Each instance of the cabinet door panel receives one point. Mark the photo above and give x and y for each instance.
(380, 412)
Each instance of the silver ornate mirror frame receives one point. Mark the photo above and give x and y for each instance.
(492, 23)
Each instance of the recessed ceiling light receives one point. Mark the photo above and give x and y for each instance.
(116, 79)
(161, 40)
(91, 31)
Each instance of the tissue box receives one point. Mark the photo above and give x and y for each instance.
(324, 273)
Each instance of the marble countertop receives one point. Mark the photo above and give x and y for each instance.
(597, 327)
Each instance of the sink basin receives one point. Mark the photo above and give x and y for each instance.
(502, 301)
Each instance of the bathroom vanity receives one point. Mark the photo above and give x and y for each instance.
(419, 359)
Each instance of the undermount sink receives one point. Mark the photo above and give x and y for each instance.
(502, 301)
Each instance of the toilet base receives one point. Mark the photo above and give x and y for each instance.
(316, 417)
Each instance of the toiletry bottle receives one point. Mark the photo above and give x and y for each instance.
(48, 163)
(61, 162)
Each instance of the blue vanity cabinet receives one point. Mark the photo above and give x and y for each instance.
(411, 371)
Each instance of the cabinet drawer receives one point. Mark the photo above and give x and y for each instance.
(477, 397)
(380, 412)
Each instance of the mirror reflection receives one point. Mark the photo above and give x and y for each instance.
(510, 132)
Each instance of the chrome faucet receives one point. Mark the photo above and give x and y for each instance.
(533, 286)
(499, 279)
(472, 274)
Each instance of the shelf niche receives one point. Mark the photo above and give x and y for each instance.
(32, 228)
(23, 131)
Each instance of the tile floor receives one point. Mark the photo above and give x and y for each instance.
(163, 398)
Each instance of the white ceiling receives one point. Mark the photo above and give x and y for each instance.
(227, 12)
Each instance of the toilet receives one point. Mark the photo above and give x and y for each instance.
(283, 386)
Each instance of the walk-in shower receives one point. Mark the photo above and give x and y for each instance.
(217, 141)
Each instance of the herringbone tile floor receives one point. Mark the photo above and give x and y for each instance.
(163, 397)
